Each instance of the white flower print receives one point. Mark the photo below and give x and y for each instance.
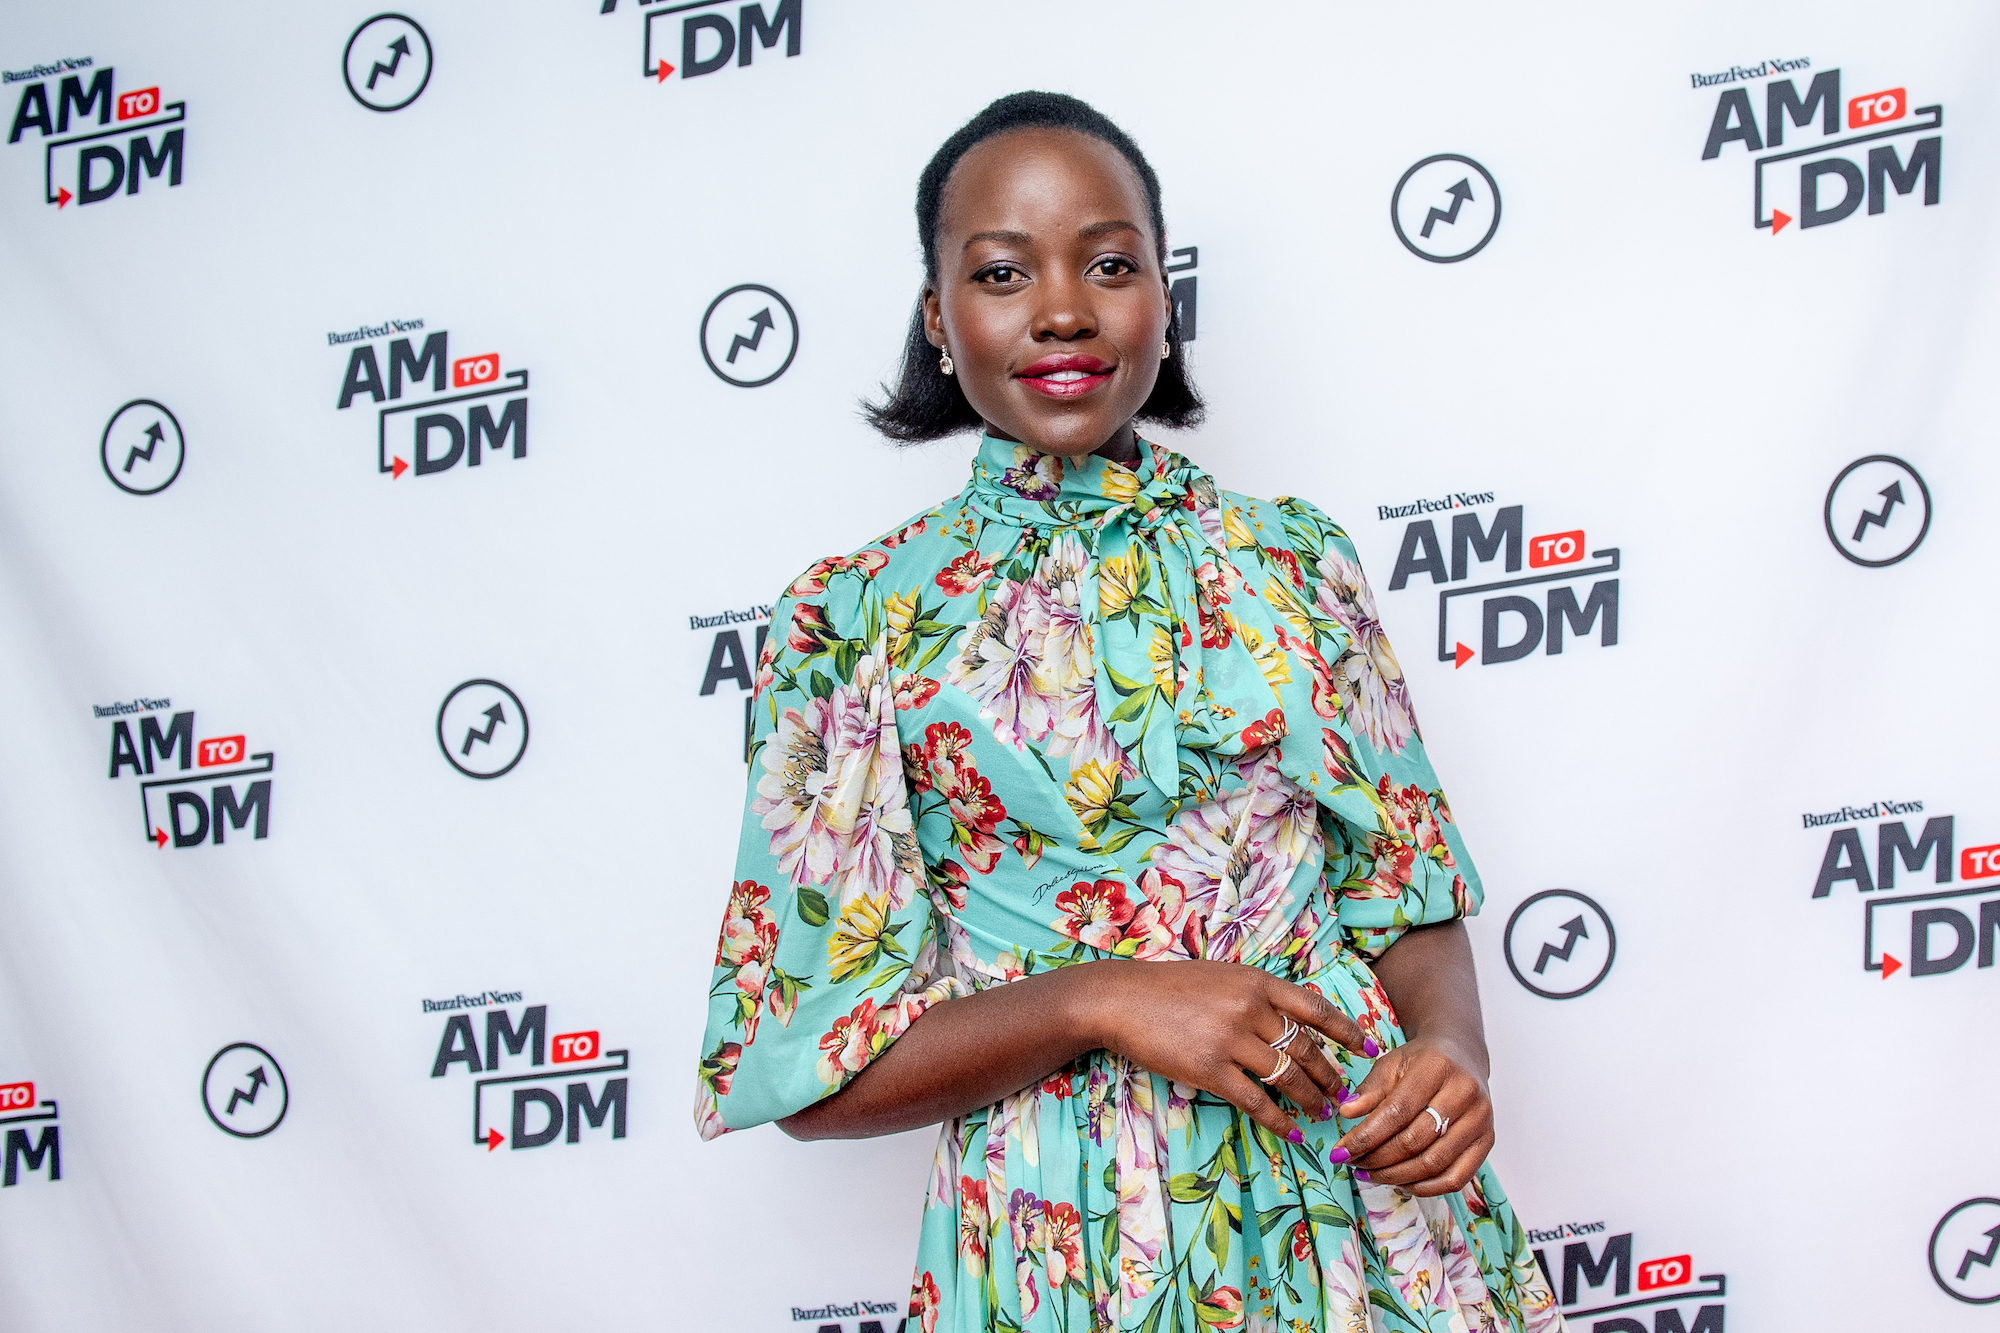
(1373, 694)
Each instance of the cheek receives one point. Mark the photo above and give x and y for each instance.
(979, 330)
(1135, 319)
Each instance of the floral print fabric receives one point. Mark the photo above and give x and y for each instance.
(1085, 711)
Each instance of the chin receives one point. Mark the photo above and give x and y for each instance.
(1070, 434)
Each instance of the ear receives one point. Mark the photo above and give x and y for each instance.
(933, 316)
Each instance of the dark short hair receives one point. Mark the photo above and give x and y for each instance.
(925, 403)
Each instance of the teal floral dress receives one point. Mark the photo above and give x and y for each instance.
(1086, 711)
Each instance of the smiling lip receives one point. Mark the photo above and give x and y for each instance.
(1066, 376)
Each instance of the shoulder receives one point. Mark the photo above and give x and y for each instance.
(1309, 533)
(911, 542)
(1287, 531)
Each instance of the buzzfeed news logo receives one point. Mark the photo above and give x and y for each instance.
(192, 790)
(1864, 149)
(541, 1088)
(1938, 930)
(461, 409)
(1596, 1282)
(33, 1140)
(709, 40)
(138, 135)
(1517, 614)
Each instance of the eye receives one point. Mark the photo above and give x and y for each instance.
(1113, 266)
(1000, 274)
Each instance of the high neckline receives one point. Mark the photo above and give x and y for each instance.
(1020, 483)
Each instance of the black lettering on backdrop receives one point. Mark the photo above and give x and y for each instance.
(48, 1144)
(534, 1027)
(1811, 213)
(1924, 963)
(74, 96)
(1421, 554)
(179, 735)
(401, 359)
(1577, 1261)
(457, 1046)
(1885, 165)
(1466, 532)
(1603, 600)
(1781, 98)
(1844, 859)
(1491, 648)
(726, 662)
(1892, 839)
(425, 462)
(481, 428)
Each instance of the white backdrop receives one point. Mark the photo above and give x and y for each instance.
(1745, 1087)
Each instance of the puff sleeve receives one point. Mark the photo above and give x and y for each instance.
(828, 946)
(1394, 857)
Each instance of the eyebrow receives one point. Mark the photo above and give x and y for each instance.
(1004, 237)
(1090, 233)
(1096, 229)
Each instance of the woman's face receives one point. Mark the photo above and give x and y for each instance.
(1050, 297)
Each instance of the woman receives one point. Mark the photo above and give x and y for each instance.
(1088, 815)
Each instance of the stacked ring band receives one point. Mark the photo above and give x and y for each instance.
(1291, 1030)
(1284, 1066)
(1440, 1120)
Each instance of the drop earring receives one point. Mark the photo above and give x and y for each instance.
(1165, 351)
(944, 360)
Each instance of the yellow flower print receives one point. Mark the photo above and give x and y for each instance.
(901, 611)
(1119, 482)
(1090, 792)
(1235, 531)
(1117, 583)
(1269, 657)
(1160, 652)
(858, 938)
(1287, 604)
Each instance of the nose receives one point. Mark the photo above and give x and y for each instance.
(1064, 312)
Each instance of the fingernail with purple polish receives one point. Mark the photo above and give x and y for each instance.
(1326, 1112)
(1347, 1095)
(1369, 1048)
(1359, 1174)
(1297, 1135)
(1337, 1156)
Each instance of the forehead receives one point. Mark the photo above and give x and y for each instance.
(1041, 180)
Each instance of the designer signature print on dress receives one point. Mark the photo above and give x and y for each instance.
(1105, 870)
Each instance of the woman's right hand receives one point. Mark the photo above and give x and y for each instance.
(1206, 1023)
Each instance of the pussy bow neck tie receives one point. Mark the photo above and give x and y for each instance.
(1188, 654)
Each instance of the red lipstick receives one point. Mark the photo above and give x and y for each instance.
(1066, 375)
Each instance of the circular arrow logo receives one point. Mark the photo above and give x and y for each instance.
(482, 728)
(1878, 511)
(1446, 208)
(245, 1091)
(749, 335)
(142, 449)
(387, 63)
(1965, 1252)
(1560, 944)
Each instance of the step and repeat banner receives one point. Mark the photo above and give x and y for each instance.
(410, 418)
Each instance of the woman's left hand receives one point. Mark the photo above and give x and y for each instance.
(1397, 1141)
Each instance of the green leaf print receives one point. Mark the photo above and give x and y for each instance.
(1217, 1236)
(812, 906)
(1329, 1215)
